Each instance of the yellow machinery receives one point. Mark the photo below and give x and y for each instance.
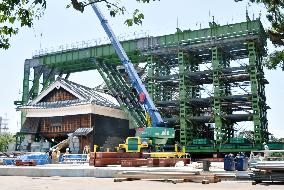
(138, 144)
(176, 154)
(134, 144)
(95, 147)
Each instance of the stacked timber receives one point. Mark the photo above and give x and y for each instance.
(174, 176)
(100, 155)
(134, 163)
(132, 159)
(153, 162)
(110, 161)
(270, 171)
(114, 158)
(25, 163)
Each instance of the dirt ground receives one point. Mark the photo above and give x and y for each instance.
(77, 183)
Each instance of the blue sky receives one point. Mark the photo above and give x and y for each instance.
(60, 26)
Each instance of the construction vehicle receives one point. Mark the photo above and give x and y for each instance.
(137, 144)
(157, 133)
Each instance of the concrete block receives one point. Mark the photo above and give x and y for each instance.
(104, 173)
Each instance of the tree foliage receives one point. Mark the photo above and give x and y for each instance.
(5, 139)
(15, 14)
(275, 15)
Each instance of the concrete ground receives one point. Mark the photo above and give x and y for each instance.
(88, 183)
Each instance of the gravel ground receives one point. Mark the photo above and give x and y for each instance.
(79, 183)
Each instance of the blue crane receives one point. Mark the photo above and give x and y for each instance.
(158, 128)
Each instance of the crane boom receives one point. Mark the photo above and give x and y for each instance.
(158, 125)
(132, 74)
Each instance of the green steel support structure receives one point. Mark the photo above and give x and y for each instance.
(26, 86)
(218, 92)
(167, 91)
(258, 97)
(183, 96)
(113, 89)
(223, 129)
(150, 81)
(228, 126)
(35, 88)
(158, 95)
(122, 91)
(193, 93)
(177, 78)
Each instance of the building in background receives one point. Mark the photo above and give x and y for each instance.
(4, 129)
(65, 107)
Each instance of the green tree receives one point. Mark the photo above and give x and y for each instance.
(15, 14)
(275, 16)
(5, 139)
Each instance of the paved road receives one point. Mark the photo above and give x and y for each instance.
(77, 183)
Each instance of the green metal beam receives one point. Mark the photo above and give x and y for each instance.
(167, 92)
(227, 130)
(123, 106)
(183, 108)
(25, 96)
(216, 59)
(257, 90)
(128, 92)
(135, 47)
(122, 92)
(150, 81)
(35, 88)
(193, 92)
(158, 95)
(48, 78)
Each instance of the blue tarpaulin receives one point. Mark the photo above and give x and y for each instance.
(39, 158)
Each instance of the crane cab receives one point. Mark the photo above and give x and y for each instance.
(134, 144)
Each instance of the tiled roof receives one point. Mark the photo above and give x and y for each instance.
(87, 96)
(90, 94)
(82, 131)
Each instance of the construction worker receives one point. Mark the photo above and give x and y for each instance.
(50, 153)
(55, 156)
(266, 151)
(67, 151)
(86, 149)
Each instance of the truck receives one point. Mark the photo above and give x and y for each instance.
(157, 132)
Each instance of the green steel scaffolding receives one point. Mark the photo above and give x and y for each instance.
(203, 81)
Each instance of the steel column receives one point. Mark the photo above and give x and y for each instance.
(217, 94)
(183, 107)
(26, 86)
(35, 88)
(258, 97)
(150, 78)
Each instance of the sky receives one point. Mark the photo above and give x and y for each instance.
(60, 26)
